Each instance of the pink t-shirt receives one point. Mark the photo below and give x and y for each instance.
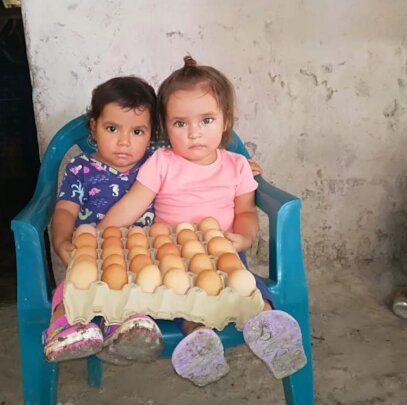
(190, 192)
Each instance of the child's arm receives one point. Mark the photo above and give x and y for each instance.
(63, 225)
(246, 223)
(129, 208)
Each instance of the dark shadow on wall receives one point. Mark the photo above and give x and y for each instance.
(19, 157)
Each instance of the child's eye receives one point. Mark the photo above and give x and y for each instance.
(207, 120)
(111, 128)
(179, 124)
(138, 132)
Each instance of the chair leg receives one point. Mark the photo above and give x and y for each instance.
(38, 376)
(95, 371)
(299, 387)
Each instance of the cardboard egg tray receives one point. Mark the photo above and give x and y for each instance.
(81, 305)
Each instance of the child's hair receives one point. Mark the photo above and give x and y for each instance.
(129, 92)
(207, 77)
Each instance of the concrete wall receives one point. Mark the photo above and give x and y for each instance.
(321, 87)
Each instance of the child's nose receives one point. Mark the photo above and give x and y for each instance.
(124, 138)
(194, 131)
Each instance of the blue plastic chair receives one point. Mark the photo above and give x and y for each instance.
(287, 280)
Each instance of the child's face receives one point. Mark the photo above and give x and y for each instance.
(194, 124)
(122, 135)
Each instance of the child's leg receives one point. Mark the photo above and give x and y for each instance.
(200, 356)
(63, 341)
(138, 338)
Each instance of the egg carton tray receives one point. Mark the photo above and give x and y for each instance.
(81, 305)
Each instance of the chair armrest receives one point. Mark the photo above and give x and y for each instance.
(33, 284)
(285, 253)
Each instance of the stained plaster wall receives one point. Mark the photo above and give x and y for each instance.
(321, 88)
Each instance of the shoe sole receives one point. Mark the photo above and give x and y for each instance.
(275, 337)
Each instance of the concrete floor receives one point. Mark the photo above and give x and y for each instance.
(359, 347)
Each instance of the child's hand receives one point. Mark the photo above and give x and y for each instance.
(239, 242)
(64, 250)
(256, 169)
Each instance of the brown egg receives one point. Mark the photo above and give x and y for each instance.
(184, 225)
(178, 280)
(211, 233)
(171, 262)
(242, 281)
(113, 259)
(229, 262)
(159, 228)
(149, 278)
(85, 228)
(85, 239)
(200, 262)
(85, 250)
(160, 240)
(136, 229)
(137, 239)
(185, 235)
(115, 276)
(82, 258)
(167, 249)
(138, 262)
(191, 248)
(112, 250)
(83, 274)
(210, 281)
(112, 241)
(112, 231)
(218, 245)
(137, 250)
(208, 223)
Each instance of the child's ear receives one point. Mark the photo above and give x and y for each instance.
(92, 125)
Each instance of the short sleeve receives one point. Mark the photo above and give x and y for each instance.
(150, 172)
(247, 183)
(72, 188)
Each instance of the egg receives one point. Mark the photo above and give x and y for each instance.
(138, 262)
(184, 225)
(200, 262)
(210, 281)
(192, 247)
(229, 262)
(137, 250)
(85, 239)
(149, 278)
(160, 240)
(159, 228)
(82, 258)
(178, 280)
(82, 274)
(208, 223)
(112, 241)
(136, 229)
(211, 233)
(112, 231)
(218, 245)
(85, 228)
(113, 259)
(85, 250)
(137, 239)
(242, 281)
(167, 249)
(112, 250)
(170, 262)
(115, 276)
(185, 235)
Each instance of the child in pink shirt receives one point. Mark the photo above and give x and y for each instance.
(198, 179)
